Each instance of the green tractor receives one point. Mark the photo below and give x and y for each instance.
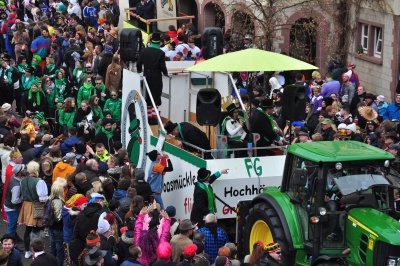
(336, 206)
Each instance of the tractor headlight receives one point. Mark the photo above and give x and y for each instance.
(393, 262)
(322, 211)
(386, 163)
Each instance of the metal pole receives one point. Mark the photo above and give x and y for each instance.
(153, 103)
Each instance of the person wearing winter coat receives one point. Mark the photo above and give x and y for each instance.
(67, 114)
(87, 220)
(135, 252)
(70, 142)
(120, 193)
(147, 235)
(113, 75)
(82, 122)
(127, 239)
(74, 8)
(114, 105)
(56, 229)
(107, 135)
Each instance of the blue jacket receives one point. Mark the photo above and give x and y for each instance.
(14, 258)
(156, 180)
(90, 12)
(382, 108)
(130, 262)
(119, 195)
(41, 47)
(68, 144)
(392, 112)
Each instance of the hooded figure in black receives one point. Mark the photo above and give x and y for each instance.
(153, 60)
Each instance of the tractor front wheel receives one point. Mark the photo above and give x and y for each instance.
(263, 224)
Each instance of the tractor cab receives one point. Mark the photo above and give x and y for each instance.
(324, 192)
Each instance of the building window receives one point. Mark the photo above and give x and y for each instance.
(377, 41)
(364, 37)
(369, 41)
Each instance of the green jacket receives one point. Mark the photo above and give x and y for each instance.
(97, 111)
(84, 94)
(67, 118)
(114, 105)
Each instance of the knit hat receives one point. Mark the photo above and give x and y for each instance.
(203, 174)
(152, 155)
(40, 118)
(95, 196)
(103, 225)
(190, 250)
(69, 157)
(171, 211)
(110, 218)
(107, 121)
(95, 118)
(14, 154)
(342, 125)
(92, 238)
(139, 174)
(6, 107)
(352, 127)
(164, 250)
(380, 98)
(272, 247)
(62, 8)
(3, 256)
(81, 200)
(37, 57)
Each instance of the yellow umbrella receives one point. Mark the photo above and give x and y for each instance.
(251, 60)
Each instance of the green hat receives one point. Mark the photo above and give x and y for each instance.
(37, 81)
(272, 247)
(38, 58)
(60, 99)
(327, 121)
(40, 118)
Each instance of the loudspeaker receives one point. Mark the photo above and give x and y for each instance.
(208, 107)
(294, 103)
(213, 42)
(130, 44)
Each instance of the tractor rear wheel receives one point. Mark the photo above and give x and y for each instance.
(263, 224)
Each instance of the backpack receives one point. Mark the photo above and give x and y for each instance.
(48, 214)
